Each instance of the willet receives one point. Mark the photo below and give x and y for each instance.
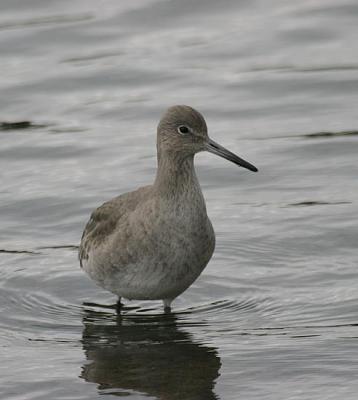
(152, 243)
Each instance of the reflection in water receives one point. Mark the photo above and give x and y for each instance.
(148, 354)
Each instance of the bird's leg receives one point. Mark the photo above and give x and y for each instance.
(119, 305)
(167, 305)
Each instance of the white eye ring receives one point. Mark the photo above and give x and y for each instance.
(183, 129)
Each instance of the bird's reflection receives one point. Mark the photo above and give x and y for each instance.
(150, 354)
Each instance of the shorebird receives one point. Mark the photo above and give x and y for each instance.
(154, 242)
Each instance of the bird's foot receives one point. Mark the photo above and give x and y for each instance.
(167, 305)
(119, 305)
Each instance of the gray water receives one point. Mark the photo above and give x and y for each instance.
(83, 84)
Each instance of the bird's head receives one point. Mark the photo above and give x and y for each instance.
(182, 132)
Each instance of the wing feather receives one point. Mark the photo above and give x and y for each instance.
(105, 219)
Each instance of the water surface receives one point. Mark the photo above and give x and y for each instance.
(83, 84)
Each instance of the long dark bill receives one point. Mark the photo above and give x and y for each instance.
(219, 150)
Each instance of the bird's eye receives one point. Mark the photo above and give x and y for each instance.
(183, 129)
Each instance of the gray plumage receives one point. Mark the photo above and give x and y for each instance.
(154, 242)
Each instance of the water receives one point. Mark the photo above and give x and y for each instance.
(274, 315)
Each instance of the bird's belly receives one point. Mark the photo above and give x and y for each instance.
(165, 273)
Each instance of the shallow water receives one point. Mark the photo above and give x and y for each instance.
(83, 84)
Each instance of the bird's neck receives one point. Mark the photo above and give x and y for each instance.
(176, 175)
